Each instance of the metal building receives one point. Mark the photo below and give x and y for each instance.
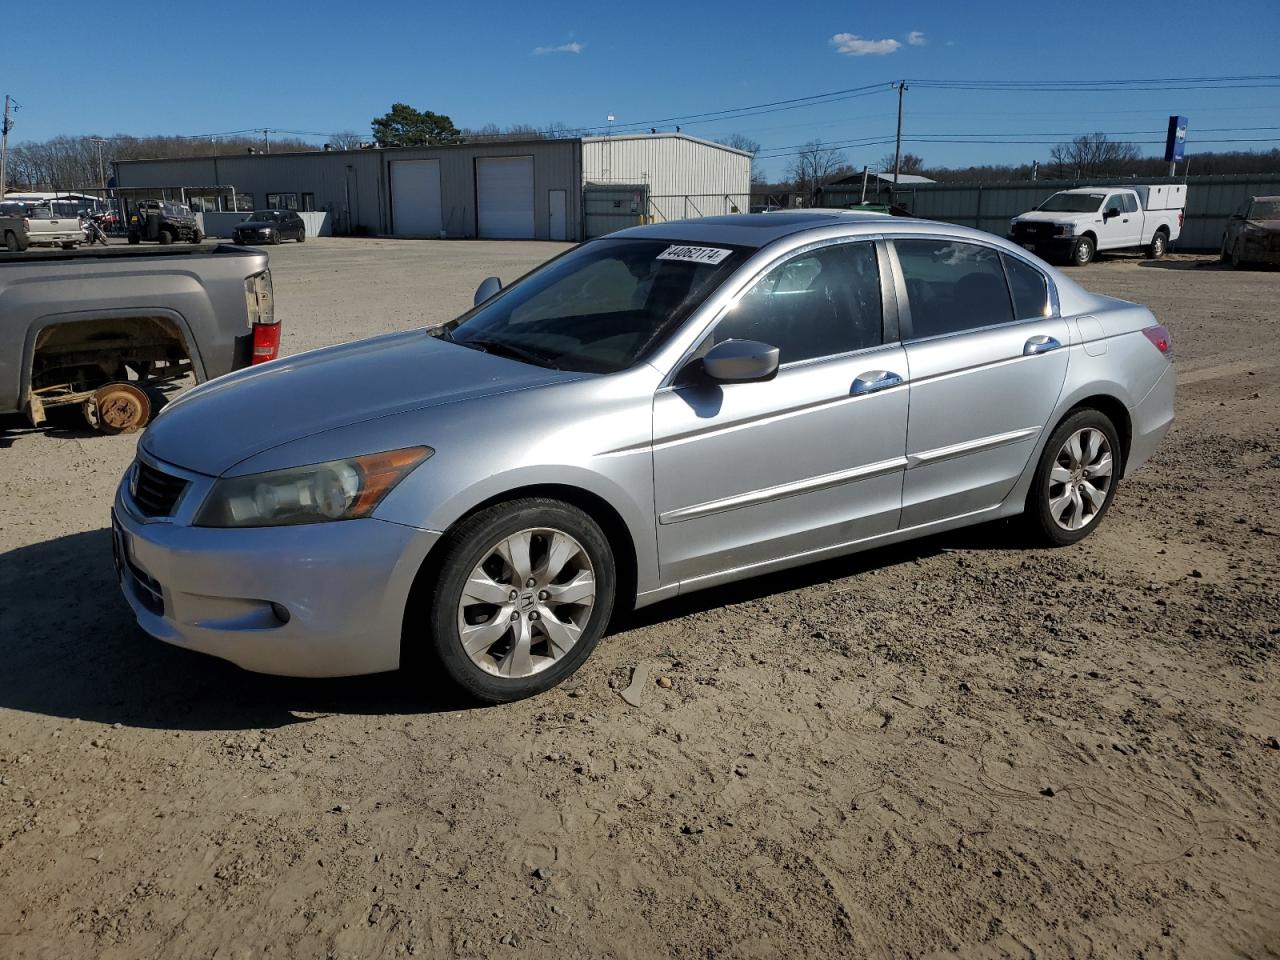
(529, 189)
(660, 176)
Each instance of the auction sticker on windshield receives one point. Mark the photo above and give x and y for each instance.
(712, 255)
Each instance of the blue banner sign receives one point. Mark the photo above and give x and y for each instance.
(1175, 144)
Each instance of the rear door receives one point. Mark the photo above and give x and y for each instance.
(747, 473)
(987, 357)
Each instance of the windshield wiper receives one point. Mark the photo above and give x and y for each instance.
(504, 347)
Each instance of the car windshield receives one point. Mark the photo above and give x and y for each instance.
(1073, 203)
(1265, 210)
(265, 215)
(600, 308)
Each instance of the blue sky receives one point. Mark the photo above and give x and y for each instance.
(323, 66)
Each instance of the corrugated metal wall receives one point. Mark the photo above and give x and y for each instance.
(686, 177)
(352, 186)
(990, 206)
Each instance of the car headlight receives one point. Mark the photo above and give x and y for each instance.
(1066, 229)
(319, 492)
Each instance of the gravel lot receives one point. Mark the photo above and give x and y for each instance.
(958, 747)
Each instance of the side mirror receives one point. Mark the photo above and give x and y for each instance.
(1112, 212)
(488, 287)
(741, 361)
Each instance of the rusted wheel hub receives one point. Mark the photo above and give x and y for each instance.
(118, 408)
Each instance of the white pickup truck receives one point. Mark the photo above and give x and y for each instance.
(1073, 225)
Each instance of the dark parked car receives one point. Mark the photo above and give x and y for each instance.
(270, 226)
(1253, 233)
(163, 222)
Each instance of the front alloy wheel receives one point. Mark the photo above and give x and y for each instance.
(525, 605)
(522, 592)
(1075, 480)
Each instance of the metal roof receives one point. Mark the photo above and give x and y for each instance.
(667, 135)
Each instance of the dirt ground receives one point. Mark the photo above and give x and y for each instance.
(957, 747)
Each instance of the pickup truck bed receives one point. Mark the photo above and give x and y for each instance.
(115, 323)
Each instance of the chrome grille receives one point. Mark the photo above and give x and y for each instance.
(154, 492)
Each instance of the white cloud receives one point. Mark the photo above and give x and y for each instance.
(572, 46)
(916, 38)
(853, 45)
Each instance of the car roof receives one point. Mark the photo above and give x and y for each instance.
(758, 229)
(761, 229)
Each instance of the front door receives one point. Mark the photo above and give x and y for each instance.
(748, 473)
(987, 360)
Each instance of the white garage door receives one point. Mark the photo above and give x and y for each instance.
(504, 197)
(415, 197)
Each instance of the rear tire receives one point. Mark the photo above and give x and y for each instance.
(197, 236)
(302, 236)
(11, 242)
(1158, 246)
(474, 549)
(165, 237)
(134, 238)
(1074, 482)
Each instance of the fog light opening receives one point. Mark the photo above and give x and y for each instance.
(281, 612)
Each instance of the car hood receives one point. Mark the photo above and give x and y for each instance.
(218, 424)
(256, 225)
(1045, 216)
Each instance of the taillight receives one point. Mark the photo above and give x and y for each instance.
(266, 342)
(1160, 339)
(260, 303)
(1181, 215)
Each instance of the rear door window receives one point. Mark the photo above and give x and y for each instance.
(953, 286)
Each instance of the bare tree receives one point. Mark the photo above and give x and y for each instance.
(346, 140)
(1092, 155)
(740, 141)
(813, 167)
(911, 163)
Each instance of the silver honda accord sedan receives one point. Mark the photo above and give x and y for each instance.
(660, 410)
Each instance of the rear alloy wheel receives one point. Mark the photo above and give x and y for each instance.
(1075, 480)
(1082, 252)
(525, 591)
(1158, 247)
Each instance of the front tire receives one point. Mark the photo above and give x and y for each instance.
(197, 236)
(1082, 253)
(165, 237)
(1075, 480)
(1237, 262)
(521, 596)
(1158, 247)
(302, 236)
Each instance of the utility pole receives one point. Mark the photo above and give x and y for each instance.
(102, 173)
(265, 142)
(897, 150)
(9, 107)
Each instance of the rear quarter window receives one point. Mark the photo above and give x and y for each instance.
(1030, 289)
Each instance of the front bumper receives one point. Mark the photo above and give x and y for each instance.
(253, 236)
(1043, 244)
(344, 584)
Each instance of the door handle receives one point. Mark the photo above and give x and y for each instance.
(1039, 344)
(874, 380)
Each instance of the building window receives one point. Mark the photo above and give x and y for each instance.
(240, 203)
(308, 202)
(282, 201)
